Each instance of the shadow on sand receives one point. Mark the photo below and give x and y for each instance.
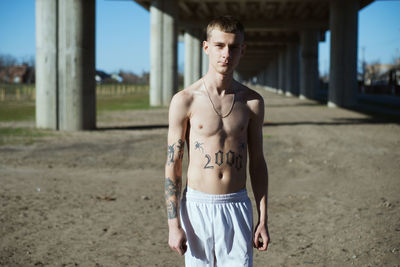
(134, 127)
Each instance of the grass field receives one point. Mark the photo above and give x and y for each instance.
(24, 135)
(109, 97)
(139, 100)
(17, 111)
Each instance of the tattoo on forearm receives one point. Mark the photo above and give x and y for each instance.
(180, 146)
(171, 209)
(171, 152)
(172, 189)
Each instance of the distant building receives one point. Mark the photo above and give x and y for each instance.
(17, 74)
(388, 74)
(101, 76)
(104, 77)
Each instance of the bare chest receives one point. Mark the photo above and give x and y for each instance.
(205, 122)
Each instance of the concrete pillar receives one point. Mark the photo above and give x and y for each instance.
(204, 63)
(281, 72)
(262, 77)
(170, 56)
(309, 75)
(187, 80)
(197, 48)
(264, 74)
(76, 68)
(343, 21)
(274, 73)
(156, 51)
(292, 70)
(271, 74)
(46, 64)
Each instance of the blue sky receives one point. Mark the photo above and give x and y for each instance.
(123, 37)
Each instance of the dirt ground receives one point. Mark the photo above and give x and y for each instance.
(96, 198)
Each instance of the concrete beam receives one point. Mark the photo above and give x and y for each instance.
(309, 75)
(281, 72)
(76, 70)
(188, 62)
(197, 54)
(170, 48)
(46, 64)
(156, 53)
(343, 57)
(204, 63)
(292, 70)
(268, 25)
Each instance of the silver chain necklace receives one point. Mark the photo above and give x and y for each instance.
(216, 111)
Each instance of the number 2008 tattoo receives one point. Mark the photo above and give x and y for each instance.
(231, 158)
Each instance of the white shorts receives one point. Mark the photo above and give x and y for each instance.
(218, 228)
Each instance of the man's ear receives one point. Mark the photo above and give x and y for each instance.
(243, 50)
(205, 47)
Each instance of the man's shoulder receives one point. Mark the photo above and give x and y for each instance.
(249, 95)
(185, 97)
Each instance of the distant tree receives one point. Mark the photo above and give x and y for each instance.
(129, 77)
(396, 61)
(7, 61)
(372, 71)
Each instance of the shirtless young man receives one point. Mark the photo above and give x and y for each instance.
(220, 119)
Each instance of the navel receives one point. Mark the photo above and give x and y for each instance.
(220, 175)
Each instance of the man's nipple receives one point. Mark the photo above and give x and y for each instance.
(200, 126)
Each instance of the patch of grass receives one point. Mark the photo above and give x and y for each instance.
(267, 136)
(17, 111)
(139, 100)
(11, 88)
(25, 110)
(24, 136)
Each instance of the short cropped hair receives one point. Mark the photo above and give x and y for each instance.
(227, 24)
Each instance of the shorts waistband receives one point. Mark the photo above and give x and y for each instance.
(192, 195)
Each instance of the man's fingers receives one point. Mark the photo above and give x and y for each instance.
(256, 241)
(265, 242)
(179, 250)
(183, 247)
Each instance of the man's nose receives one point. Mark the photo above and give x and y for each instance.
(226, 52)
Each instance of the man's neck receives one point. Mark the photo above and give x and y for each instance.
(219, 82)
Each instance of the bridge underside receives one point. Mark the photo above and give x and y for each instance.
(282, 50)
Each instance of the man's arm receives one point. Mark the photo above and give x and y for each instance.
(178, 116)
(258, 171)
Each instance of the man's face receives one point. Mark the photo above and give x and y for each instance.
(224, 50)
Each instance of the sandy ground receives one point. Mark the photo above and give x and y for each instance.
(96, 198)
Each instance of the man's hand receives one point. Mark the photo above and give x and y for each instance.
(177, 240)
(262, 233)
